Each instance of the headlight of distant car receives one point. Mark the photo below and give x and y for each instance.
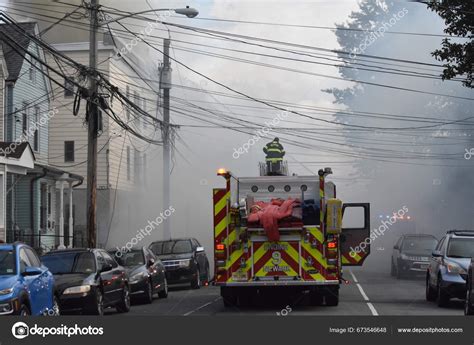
(77, 290)
(6, 291)
(404, 257)
(454, 268)
(184, 263)
(136, 277)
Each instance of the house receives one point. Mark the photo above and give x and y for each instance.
(33, 192)
(122, 158)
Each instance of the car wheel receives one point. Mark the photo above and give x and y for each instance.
(56, 311)
(196, 283)
(148, 294)
(164, 293)
(468, 309)
(430, 293)
(124, 305)
(208, 275)
(442, 298)
(24, 310)
(98, 309)
(399, 273)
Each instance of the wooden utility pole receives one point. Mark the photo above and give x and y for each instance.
(92, 125)
(166, 86)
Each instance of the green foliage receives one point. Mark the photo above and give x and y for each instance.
(457, 55)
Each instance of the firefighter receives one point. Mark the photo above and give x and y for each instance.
(274, 157)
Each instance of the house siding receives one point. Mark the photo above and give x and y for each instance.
(33, 94)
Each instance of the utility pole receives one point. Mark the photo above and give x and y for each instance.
(165, 84)
(92, 117)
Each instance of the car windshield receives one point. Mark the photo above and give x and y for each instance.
(422, 245)
(461, 248)
(69, 263)
(7, 262)
(132, 258)
(172, 247)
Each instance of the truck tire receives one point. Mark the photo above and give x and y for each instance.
(332, 298)
(228, 297)
(315, 299)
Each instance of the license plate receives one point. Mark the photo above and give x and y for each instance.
(239, 276)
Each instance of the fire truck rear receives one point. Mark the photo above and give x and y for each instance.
(312, 245)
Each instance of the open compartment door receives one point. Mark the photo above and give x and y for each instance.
(355, 239)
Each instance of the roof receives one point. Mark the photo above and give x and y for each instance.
(13, 58)
(13, 149)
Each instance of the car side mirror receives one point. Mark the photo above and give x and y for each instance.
(199, 249)
(31, 271)
(437, 254)
(150, 263)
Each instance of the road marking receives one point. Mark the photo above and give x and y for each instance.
(364, 295)
(203, 306)
(372, 309)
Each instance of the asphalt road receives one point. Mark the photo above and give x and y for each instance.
(368, 293)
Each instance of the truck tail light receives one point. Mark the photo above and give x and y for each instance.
(332, 245)
(220, 253)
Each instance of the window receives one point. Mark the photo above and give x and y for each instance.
(32, 72)
(128, 163)
(108, 259)
(36, 133)
(68, 87)
(69, 151)
(24, 260)
(136, 165)
(24, 120)
(34, 260)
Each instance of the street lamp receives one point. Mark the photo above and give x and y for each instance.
(187, 11)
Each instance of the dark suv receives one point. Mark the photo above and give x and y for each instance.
(185, 261)
(447, 274)
(411, 254)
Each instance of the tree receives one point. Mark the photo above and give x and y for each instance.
(458, 56)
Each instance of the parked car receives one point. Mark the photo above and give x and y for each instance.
(185, 261)
(447, 274)
(469, 303)
(26, 286)
(146, 273)
(88, 281)
(411, 254)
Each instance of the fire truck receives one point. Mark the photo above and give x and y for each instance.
(312, 245)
